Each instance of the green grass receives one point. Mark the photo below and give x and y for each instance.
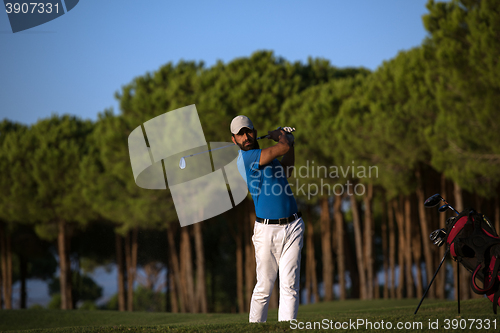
(376, 311)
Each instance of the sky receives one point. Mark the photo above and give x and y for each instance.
(76, 63)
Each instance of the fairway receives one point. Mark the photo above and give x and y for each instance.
(382, 315)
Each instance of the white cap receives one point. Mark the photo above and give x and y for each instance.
(239, 122)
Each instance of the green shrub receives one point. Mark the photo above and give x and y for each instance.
(55, 302)
(88, 305)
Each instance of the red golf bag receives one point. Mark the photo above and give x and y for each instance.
(474, 243)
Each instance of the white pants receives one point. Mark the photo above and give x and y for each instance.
(277, 247)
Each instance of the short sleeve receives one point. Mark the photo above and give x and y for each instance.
(251, 159)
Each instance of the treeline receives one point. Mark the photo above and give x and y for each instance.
(375, 145)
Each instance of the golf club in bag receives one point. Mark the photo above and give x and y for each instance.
(472, 242)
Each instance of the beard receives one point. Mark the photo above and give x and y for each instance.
(253, 145)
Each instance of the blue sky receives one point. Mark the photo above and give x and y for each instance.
(75, 63)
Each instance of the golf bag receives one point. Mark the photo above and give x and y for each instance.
(473, 242)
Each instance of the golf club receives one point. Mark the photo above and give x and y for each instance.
(434, 201)
(182, 162)
(443, 208)
(438, 237)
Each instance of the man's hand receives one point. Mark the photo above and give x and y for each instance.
(288, 160)
(289, 134)
(280, 149)
(275, 135)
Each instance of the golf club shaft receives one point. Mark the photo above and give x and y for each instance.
(430, 284)
(453, 209)
(208, 151)
(260, 137)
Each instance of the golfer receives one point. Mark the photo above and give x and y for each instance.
(279, 228)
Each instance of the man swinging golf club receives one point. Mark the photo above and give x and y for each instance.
(279, 228)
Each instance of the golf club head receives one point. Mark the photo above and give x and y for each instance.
(443, 208)
(450, 220)
(433, 201)
(438, 236)
(182, 163)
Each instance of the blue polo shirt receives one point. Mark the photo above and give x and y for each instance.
(270, 190)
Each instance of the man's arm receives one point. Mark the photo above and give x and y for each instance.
(279, 149)
(288, 161)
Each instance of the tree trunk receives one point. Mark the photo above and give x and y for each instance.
(417, 255)
(239, 270)
(457, 193)
(401, 246)
(120, 268)
(213, 288)
(385, 252)
(5, 248)
(174, 298)
(238, 235)
(69, 283)
(479, 203)
(429, 269)
(307, 284)
(351, 265)
(311, 279)
(249, 274)
(3, 253)
(135, 248)
(339, 234)
(250, 264)
(187, 269)
(409, 248)
(130, 280)
(368, 243)
(392, 249)
(178, 294)
(359, 247)
(1, 268)
(131, 247)
(65, 269)
(9, 271)
(326, 248)
(236, 230)
(201, 293)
